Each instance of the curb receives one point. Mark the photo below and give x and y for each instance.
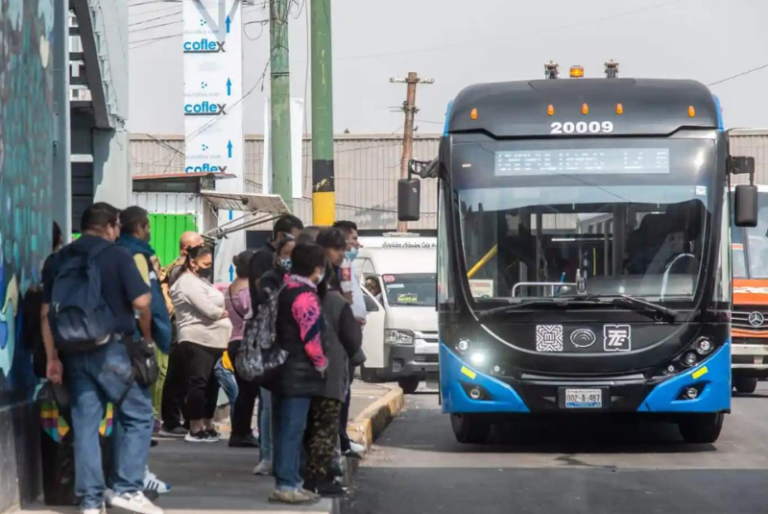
(370, 423)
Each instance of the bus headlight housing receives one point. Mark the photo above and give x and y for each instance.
(694, 354)
(395, 336)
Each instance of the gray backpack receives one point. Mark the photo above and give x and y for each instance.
(259, 356)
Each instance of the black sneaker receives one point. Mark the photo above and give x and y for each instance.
(325, 488)
(153, 443)
(176, 433)
(213, 435)
(243, 441)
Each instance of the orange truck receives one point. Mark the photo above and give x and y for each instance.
(749, 322)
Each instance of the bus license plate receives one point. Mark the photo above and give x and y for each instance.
(583, 398)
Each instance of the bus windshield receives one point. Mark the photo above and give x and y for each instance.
(750, 245)
(410, 289)
(632, 215)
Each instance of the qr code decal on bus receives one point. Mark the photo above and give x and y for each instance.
(549, 338)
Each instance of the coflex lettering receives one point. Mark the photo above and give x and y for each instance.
(206, 168)
(205, 108)
(204, 46)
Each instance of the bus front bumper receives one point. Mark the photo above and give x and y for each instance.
(466, 389)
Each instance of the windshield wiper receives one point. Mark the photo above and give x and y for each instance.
(556, 302)
(666, 312)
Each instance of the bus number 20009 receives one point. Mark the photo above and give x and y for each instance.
(581, 127)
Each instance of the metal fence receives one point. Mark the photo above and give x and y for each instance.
(366, 170)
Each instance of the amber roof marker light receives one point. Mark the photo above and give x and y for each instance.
(577, 72)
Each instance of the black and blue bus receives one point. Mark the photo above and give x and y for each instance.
(584, 258)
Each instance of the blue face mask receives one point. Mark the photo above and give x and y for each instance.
(286, 264)
(351, 254)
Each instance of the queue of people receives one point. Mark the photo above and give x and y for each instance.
(159, 343)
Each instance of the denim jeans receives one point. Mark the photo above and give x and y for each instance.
(290, 421)
(95, 378)
(265, 424)
(228, 383)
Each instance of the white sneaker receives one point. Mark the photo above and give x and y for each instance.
(357, 448)
(264, 468)
(152, 483)
(136, 503)
(100, 510)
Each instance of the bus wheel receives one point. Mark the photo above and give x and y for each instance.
(469, 429)
(745, 384)
(409, 384)
(701, 428)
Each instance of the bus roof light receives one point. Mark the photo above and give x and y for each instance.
(473, 114)
(577, 72)
(551, 110)
(691, 112)
(619, 109)
(584, 109)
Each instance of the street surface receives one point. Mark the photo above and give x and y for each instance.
(548, 468)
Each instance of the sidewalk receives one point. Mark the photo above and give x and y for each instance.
(213, 478)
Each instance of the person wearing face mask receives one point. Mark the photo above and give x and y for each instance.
(287, 226)
(300, 329)
(204, 330)
(270, 281)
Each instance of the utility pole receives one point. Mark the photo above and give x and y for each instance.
(323, 186)
(280, 101)
(410, 109)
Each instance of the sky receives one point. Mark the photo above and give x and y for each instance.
(462, 42)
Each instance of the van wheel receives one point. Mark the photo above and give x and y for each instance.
(745, 384)
(409, 384)
(368, 375)
(701, 428)
(469, 429)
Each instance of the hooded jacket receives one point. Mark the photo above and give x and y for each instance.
(145, 259)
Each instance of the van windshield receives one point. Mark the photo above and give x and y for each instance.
(411, 289)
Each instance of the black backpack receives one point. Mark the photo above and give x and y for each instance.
(79, 316)
(259, 356)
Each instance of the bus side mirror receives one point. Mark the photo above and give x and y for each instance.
(745, 209)
(408, 199)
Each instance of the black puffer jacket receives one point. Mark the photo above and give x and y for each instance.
(343, 338)
(300, 326)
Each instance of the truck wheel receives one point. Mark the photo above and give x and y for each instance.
(368, 375)
(469, 429)
(409, 384)
(745, 384)
(701, 428)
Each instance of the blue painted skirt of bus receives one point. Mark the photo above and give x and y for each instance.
(454, 372)
(714, 374)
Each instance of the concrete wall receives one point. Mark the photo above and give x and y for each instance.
(26, 160)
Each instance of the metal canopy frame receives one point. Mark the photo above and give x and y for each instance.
(258, 209)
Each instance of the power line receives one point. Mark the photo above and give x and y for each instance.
(163, 17)
(151, 40)
(738, 75)
(133, 31)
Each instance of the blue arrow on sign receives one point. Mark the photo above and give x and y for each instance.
(231, 273)
(229, 87)
(229, 149)
(231, 215)
(229, 22)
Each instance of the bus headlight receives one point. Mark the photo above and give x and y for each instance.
(462, 345)
(704, 346)
(394, 336)
(690, 359)
(477, 359)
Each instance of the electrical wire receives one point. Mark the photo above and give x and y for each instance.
(149, 41)
(738, 75)
(163, 17)
(133, 31)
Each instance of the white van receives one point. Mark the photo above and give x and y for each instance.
(400, 334)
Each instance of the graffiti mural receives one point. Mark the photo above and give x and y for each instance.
(26, 163)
